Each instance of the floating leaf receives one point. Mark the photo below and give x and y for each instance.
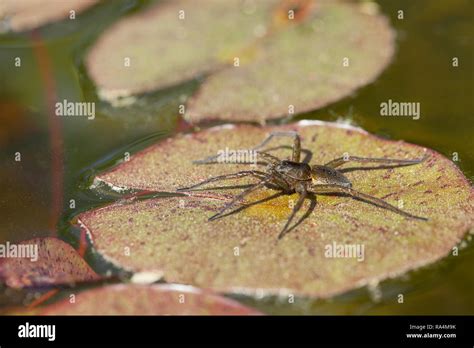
(21, 15)
(48, 261)
(172, 42)
(241, 252)
(267, 70)
(147, 300)
(301, 69)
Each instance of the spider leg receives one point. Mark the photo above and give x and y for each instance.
(295, 156)
(341, 160)
(207, 160)
(237, 175)
(280, 183)
(362, 196)
(270, 159)
(267, 158)
(302, 196)
(239, 197)
(248, 205)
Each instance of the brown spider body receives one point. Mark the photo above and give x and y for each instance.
(295, 174)
(292, 176)
(292, 173)
(324, 175)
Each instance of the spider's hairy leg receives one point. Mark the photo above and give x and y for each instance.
(403, 162)
(255, 173)
(267, 159)
(302, 196)
(239, 197)
(295, 156)
(208, 160)
(362, 196)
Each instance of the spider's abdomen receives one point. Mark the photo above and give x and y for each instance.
(323, 175)
(294, 170)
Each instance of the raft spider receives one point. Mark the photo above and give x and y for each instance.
(293, 176)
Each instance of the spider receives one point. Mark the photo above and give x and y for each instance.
(293, 176)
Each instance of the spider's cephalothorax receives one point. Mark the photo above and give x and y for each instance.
(292, 176)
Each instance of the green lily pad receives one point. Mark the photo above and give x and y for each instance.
(310, 65)
(163, 46)
(281, 69)
(147, 300)
(241, 253)
(25, 15)
(53, 263)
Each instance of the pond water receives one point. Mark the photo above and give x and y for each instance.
(431, 34)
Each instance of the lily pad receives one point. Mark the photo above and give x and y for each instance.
(22, 15)
(49, 261)
(147, 300)
(172, 42)
(308, 66)
(280, 70)
(241, 253)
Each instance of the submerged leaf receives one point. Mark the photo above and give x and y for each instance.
(21, 15)
(147, 300)
(241, 252)
(45, 261)
(267, 69)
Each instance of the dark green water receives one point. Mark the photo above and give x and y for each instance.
(430, 35)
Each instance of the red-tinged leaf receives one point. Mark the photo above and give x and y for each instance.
(147, 300)
(241, 252)
(45, 262)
